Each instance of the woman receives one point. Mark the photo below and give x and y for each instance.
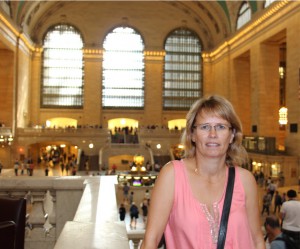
(188, 197)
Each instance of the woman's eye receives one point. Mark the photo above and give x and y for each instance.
(220, 127)
(205, 127)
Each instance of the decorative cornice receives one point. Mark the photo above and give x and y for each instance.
(243, 32)
(154, 55)
(92, 53)
(9, 26)
(27, 42)
(18, 34)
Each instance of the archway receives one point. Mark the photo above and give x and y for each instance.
(61, 122)
(122, 123)
(176, 124)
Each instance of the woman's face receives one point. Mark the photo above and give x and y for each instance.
(212, 135)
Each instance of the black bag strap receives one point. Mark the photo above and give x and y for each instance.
(226, 208)
(289, 242)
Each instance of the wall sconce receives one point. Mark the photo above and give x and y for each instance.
(281, 72)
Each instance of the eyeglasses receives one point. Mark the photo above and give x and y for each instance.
(208, 127)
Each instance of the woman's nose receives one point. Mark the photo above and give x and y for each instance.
(212, 132)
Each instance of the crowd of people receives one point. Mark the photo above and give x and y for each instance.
(24, 167)
(134, 208)
(283, 229)
(67, 164)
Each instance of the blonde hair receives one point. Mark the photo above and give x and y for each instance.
(218, 105)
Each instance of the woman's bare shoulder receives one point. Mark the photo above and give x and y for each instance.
(245, 173)
(247, 178)
(167, 169)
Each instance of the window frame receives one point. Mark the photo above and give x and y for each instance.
(140, 74)
(59, 96)
(182, 102)
(244, 15)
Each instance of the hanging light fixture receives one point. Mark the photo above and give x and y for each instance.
(6, 140)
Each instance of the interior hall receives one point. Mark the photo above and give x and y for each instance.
(94, 90)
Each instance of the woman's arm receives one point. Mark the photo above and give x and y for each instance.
(160, 207)
(252, 208)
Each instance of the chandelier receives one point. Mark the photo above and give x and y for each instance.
(6, 137)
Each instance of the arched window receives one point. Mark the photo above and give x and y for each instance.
(182, 72)
(123, 69)
(244, 15)
(62, 72)
(269, 2)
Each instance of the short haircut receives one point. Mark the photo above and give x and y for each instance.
(292, 193)
(272, 221)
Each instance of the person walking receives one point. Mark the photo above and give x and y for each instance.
(134, 215)
(62, 165)
(267, 200)
(31, 168)
(16, 167)
(67, 168)
(122, 212)
(87, 166)
(147, 196)
(272, 188)
(290, 215)
(144, 208)
(126, 189)
(47, 170)
(277, 202)
(131, 197)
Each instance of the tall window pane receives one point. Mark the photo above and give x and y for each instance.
(269, 2)
(123, 69)
(244, 15)
(182, 73)
(62, 79)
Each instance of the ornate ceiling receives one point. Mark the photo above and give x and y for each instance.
(214, 21)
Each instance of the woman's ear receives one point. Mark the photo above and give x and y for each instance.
(232, 136)
(193, 138)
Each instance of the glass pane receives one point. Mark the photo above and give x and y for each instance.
(244, 15)
(182, 73)
(62, 83)
(123, 69)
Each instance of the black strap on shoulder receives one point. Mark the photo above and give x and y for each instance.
(226, 208)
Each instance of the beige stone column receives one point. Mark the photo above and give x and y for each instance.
(92, 87)
(265, 89)
(293, 86)
(240, 90)
(35, 88)
(207, 74)
(154, 61)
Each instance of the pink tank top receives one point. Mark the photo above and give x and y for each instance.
(188, 226)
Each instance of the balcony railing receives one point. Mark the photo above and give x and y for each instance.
(71, 212)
